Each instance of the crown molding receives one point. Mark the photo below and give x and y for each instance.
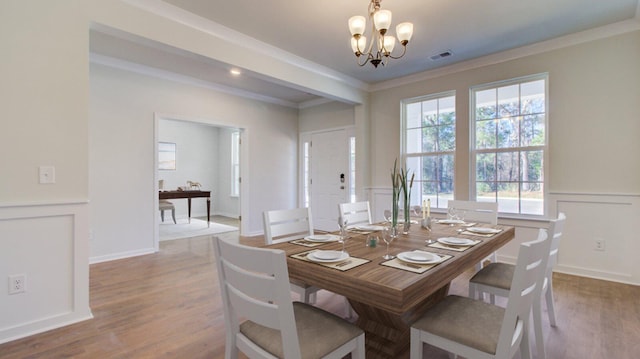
(187, 80)
(598, 33)
(207, 26)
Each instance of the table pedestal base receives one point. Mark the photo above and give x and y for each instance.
(388, 334)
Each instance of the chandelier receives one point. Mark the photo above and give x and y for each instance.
(381, 45)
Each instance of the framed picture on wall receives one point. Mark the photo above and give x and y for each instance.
(166, 156)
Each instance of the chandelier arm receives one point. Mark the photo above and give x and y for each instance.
(404, 50)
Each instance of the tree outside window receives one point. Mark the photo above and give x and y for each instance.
(508, 150)
(429, 143)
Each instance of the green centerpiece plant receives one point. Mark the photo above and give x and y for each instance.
(401, 188)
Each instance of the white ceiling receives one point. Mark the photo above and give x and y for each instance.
(317, 31)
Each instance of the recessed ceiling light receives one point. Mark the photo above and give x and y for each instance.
(235, 72)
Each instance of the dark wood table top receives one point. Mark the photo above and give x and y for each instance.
(391, 289)
(183, 194)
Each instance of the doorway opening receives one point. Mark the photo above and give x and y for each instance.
(206, 168)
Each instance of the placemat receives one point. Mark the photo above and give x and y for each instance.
(345, 265)
(414, 267)
(453, 248)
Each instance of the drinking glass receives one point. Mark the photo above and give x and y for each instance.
(343, 231)
(426, 224)
(389, 233)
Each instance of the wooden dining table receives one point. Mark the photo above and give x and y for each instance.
(389, 299)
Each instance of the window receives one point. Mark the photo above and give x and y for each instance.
(235, 164)
(429, 143)
(508, 129)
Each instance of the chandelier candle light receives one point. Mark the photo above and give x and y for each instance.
(384, 44)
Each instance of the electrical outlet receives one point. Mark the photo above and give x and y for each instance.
(17, 283)
(599, 244)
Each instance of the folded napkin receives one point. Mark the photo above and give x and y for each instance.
(414, 267)
(486, 235)
(302, 242)
(452, 247)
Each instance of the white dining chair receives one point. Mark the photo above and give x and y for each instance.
(482, 212)
(254, 285)
(476, 329)
(356, 213)
(164, 205)
(496, 278)
(287, 225)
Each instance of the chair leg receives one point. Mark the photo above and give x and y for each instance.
(525, 347)
(537, 328)
(416, 349)
(359, 352)
(472, 291)
(173, 214)
(162, 215)
(551, 308)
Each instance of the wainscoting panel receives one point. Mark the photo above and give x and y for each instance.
(48, 244)
(591, 217)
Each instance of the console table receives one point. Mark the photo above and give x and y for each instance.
(189, 195)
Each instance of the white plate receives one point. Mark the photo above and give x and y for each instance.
(451, 221)
(452, 241)
(419, 257)
(321, 238)
(369, 227)
(483, 230)
(327, 256)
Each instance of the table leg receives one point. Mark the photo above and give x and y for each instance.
(189, 208)
(387, 334)
(208, 211)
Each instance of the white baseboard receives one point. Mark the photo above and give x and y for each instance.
(121, 255)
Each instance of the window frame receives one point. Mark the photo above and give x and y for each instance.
(235, 164)
(403, 145)
(473, 151)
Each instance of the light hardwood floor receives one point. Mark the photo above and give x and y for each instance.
(166, 305)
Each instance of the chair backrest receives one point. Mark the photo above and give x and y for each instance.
(287, 224)
(485, 212)
(254, 285)
(526, 285)
(355, 213)
(556, 227)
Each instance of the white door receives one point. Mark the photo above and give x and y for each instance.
(329, 167)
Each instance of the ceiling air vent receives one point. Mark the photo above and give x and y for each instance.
(441, 55)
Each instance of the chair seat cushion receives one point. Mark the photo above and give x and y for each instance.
(464, 320)
(165, 205)
(319, 332)
(497, 275)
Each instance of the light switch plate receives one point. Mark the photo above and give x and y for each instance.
(47, 174)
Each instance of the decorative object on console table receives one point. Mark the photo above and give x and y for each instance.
(191, 185)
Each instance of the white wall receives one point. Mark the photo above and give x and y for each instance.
(123, 100)
(594, 173)
(326, 116)
(43, 227)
